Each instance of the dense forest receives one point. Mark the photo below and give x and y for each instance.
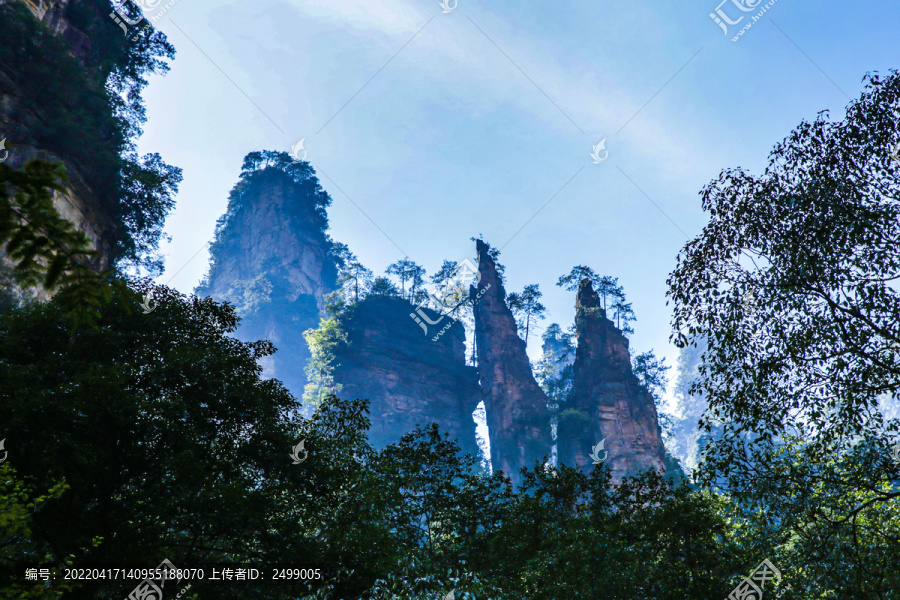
(130, 436)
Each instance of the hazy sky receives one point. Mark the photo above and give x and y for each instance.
(428, 128)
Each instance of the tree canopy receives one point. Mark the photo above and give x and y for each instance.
(91, 114)
(527, 308)
(800, 378)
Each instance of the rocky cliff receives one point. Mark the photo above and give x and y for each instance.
(26, 120)
(70, 92)
(607, 401)
(271, 259)
(274, 231)
(408, 378)
(516, 407)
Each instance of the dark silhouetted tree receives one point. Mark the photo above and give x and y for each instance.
(408, 271)
(622, 314)
(354, 277)
(604, 285)
(578, 273)
(800, 378)
(527, 309)
(382, 286)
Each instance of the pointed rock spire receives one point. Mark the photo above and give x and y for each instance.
(517, 415)
(608, 401)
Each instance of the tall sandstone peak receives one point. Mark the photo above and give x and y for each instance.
(608, 401)
(517, 415)
(275, 231)
(271, 259)
(408, 379)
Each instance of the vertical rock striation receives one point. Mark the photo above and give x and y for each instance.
(608, 402)
(274, 230)
(408, 379)
(517, 415)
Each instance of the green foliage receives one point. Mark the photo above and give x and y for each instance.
(249, 296)
(170, 445)
(408, 584)
(526, 307)
(573, 279)
(46, 249)
(444, 274)
(604, 285)
(622, 314)
(408, 271)
(11, 293)
(451, 296)
(90, 112)
(790, 285)
(312, 198)
(146, 195)
(651, 373)
(573, 414)
(18, 505)
(354, 278)
(323, 344)
(41, 243)
(382, 286)
(158, 423)
(555, 372)
(674, 471)
(71, 100)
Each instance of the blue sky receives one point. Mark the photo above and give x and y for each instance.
(428, 128)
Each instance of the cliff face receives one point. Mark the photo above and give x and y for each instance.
(516, 407)
(271, 260)
(22, 115)
(608, 402)
(53, 14)
(77, 203)
(408, 378)
(274, 232)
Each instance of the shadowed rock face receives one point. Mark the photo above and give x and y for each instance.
(408, 378)
(608, 402)
(273, 263)
(516, 407)
(275, 232)
(22, 117)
